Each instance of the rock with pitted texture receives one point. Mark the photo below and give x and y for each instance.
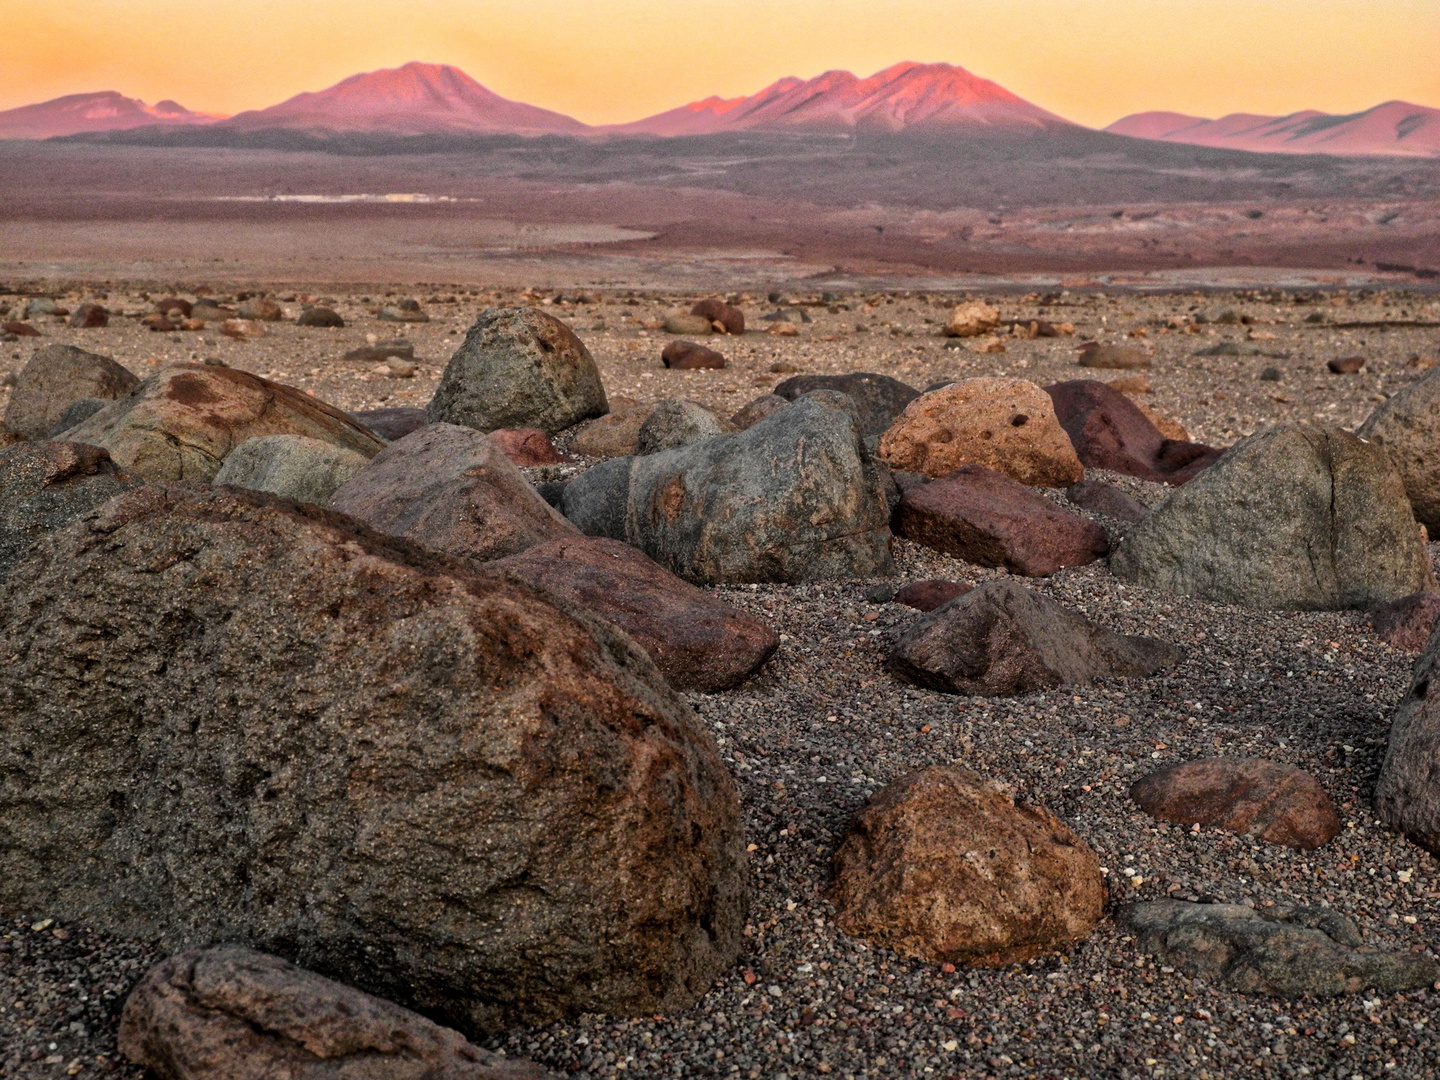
(55, 376)
(293, 466)
(1003, 638)
(519, 368)
(676, 422)
(1275, 803)
(1407, 623)
(944, 866)
(1008, 425)
(878, 398)
(44, 485)
(303, 736)
(727, 317)
(454, 490)
(1407, 425)
(687, 325)
(685, 355)
(1305, 518)
(228, 1013)
(1109, 431)
(181, 422)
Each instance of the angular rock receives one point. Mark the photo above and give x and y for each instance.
(753, 412)
(718, 311)
(44, 485)
(228, 1013)
(265, 309)
(988, 519)
(519, 368)
(89, 316)
(685, 355)
(1282, 951)
(55, 376)
(972, 319)
(1002, 638)
(612, 435)
(19, 329)
(1106, 499)
(1008, 425)
(878, 398)
(1407, 623)
(931, 594)
(686, 325)
(292, 466)
(1118, 357)
(944, 866)
(698, 642)
(393, 423)
(454, 490)
(183, 421)
(322, 317)
(1305, 518)
(1110, 432)
(526, 446)
(1275, 803)
(795, 498)
(303, 736)
(407, 311)
(1408, 427)
(676, 422)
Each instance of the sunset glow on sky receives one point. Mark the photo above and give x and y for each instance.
(604, 61)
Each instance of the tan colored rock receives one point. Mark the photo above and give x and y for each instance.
(612, 435)
(242, 329)
(989, 344)
(687, 325)
(1008, 425)
(943, 865)
(781, 328)
(972, 320)
(181, 422)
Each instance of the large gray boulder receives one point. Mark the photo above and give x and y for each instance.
(45, 485)
(1407, 795)
(676, 422)
(235, 718)
(294, 466)
(794, 498)
(55, 376)
(1408, 427)
(1306, 518)
(519, 368)
(452, 489)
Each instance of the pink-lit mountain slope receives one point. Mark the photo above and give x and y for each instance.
(417, 99)
(906, 97)
(1394, 129)
(104, 111)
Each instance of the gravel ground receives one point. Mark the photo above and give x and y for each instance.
(824, 726)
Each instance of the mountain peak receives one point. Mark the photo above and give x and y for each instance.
(1396, 129)
(105, 110)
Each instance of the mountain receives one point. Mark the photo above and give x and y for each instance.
(906, 97)
(104, 111)
(1395, 129)
(417, 99)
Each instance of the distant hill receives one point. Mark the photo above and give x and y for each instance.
(1394, 129)
(906, 97)
(103, 111)
(417, 99)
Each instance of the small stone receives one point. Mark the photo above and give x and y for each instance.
(685, 355)
(878, 398)
(376, 351)
(755, 411)
(1346, 365)
(930, 594)
(676, 423)
(1094, 355)
(391, 424)
(731, 320)
(1270, 374)
(1407, 623)
(321, 317)
(261, 309)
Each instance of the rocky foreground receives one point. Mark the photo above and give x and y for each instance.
(540, 684)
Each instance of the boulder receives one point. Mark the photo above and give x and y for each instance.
(526, 446)
(322, 317)
(753, 412)
(685, 355)
(89, 316)
(1107, 499)
(1275, 803)
(794, 498)
(687, 325)
(55, 376)
(1003, 638)
(44, 485)
(294, 466)
(1008, 425)
(698, 642)
(1109, 431)
(237, 718)
(1117, 357)
(676, 422)
(930, 594)
(1282, 951)
(878, 398)
(228, 1013)
(1407, 795)
(972, 319)
(77, 412)
(1407, 623)
(393, 423)
(612, 435)
(944, 866)
(1408, 427)
(1305, 518)
(730, 319)
(988, 519)
(182, 422)
(518, 368)
(266, 309)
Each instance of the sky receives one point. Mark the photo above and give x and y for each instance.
(605, 61)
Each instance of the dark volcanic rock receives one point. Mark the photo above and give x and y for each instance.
(303, 736)
(698, 642)
(879, 399)
(228, 1013)
(1121, 357)
(1283, 951)
(391, 424)
(1276, 803)
(19, 329)
(1003, 638)
(1346, 365)
(56, 376)
(1408, 623)
(1106, 499)
(685, 355)
(988, 519)
(519, 368)
(322, 317)
(929, 595)
(44, 485)
(1110, 432)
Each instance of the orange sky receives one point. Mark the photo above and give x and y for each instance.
(613, 60)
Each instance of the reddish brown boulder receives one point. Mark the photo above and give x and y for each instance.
(89, 316)
(1407, 623)
(1110, 432)
(685, 355)
(1278, 804)
(229, 1013)
(931, 594)
(322, 317)
(19, 329)
(943, 865)
(698, 642)
(174, 303)
(526, 446)
(717, 311)
(266, 309)
(988, 519)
